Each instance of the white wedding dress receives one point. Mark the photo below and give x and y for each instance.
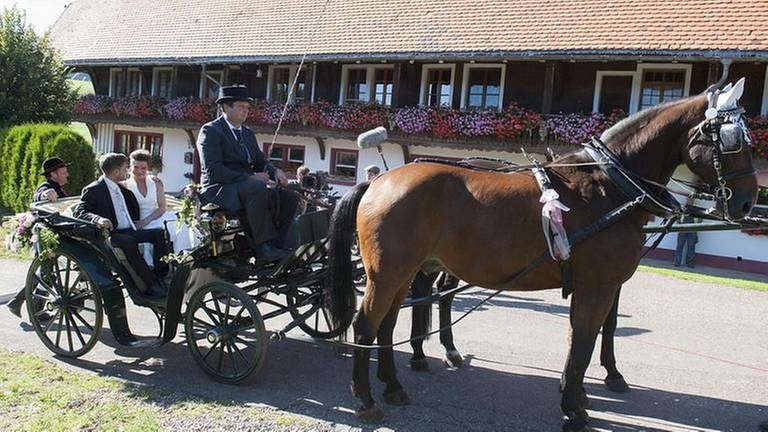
(182, 237)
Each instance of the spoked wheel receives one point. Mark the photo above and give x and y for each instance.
(64, 305)
(225, 332)
(309, 302)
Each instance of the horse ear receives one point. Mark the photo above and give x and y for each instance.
(726, 88)
(728, 99)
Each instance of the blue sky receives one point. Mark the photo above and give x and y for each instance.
(41, 14)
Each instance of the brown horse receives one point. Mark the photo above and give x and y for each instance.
(485, 228)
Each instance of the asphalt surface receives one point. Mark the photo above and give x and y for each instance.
(695, 356)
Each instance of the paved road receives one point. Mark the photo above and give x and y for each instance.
(695, 355)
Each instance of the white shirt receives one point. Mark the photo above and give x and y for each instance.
(232, 129)
(118, 203)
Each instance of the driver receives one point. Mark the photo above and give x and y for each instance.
(235, 175)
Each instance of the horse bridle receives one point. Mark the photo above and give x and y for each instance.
(726, 132)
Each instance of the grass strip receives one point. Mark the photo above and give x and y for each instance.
(698, 277)
(38, 395)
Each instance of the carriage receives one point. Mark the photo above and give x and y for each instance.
(216, 291)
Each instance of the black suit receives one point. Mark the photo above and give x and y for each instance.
(96, 203)
(44, 186)
(227, 166)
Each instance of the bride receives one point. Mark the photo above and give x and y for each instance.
(150, 194)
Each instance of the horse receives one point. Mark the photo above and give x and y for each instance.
(485, 228)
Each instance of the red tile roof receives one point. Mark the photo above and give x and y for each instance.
(146, 31)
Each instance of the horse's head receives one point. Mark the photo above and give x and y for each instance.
(719, 152)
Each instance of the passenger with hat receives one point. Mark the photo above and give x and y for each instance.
(56, 175)
(235, 174)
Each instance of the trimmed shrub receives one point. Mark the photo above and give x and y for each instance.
(22, 152)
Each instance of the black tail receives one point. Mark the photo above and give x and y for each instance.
(339, 284)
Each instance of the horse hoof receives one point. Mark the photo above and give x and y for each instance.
(616, 385)
(577, 424)
(420, 365)
(397, 398)
(370, 414)
(453, 359)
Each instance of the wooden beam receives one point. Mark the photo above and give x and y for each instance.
(549, 88)
(94, 131)
(713, 73)
(396, 79)
(174, 80)
(321, 143)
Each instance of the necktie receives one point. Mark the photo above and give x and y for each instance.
(239, 138)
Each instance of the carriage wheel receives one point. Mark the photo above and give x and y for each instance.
(64, 305)
(310, 301)
(225, 332)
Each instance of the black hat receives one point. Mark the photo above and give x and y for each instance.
(233, 94)
(52, 164)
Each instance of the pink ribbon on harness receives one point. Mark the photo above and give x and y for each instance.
(552, 224)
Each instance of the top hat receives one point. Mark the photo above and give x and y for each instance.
(233, 94)
(52, 164)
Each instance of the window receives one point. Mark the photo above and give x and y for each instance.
(286, 157)
(161, 82)
(133, 85)
(661, 86)
(483, 86)
(357, 86)
(344, 165)
(382, 86)
(280, 81)
(116, 83)
(210, 82)
(126, 142)
(437, 85)
(365, 84)
(613, 90)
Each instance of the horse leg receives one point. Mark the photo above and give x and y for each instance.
(393, 392)
(361, 385)
(421, 315)
(614, 381)
(452, 356)
(588, 311)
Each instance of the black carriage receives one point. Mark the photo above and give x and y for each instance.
(216, 291)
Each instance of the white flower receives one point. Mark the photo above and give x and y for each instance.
(29, 221)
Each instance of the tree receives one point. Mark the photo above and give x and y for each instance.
(33, 79)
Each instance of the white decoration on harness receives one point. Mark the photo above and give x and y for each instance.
(552, 223)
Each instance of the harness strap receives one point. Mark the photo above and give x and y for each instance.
(663, 205)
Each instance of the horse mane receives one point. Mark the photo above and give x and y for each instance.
(640, 127)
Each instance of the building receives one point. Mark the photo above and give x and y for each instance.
(441, 74)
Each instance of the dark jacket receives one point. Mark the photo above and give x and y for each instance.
(96, 202)
(44, 186)
(223, 162)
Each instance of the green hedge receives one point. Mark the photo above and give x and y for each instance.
(22, 152)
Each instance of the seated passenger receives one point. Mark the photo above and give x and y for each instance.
(56, 175)
(150, 194)
(111, 206)
(235, 175)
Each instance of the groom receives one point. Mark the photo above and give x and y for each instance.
(113, 207)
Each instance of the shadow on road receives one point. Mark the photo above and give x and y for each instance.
(312, 379)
